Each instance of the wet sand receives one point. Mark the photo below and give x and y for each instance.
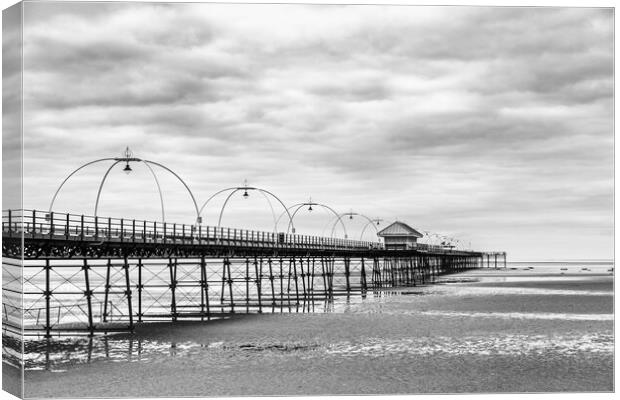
(498, 331)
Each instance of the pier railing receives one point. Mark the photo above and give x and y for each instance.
(64, 226)
(74, 227)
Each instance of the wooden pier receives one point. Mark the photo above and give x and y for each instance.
(93, 274)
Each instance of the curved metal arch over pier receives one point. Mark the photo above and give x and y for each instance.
(351, 214)
(127, 159)
(376, 221)
(245, 189)
(310, 203)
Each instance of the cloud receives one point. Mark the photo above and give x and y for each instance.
(456, 119)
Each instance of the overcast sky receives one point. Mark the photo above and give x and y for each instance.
(494, 125)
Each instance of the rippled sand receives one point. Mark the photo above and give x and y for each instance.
(488, 331)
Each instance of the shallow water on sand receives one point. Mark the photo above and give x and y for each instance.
(536, 330)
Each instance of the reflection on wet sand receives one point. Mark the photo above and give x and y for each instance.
(58, 355)
(537, 330)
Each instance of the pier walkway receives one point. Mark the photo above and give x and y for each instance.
(68, 273)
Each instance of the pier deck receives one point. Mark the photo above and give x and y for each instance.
(94, 274)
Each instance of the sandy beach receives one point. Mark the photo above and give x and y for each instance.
(482, 331)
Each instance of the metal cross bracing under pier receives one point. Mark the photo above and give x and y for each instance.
(92, 275)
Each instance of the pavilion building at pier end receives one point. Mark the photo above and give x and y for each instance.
(399, 236)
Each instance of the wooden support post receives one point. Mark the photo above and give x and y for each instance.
(394, 265)
(273, 290)
(295, 277)
(48, 296)
(347, 272)
(376, 275)
(258, 268)
(325, 277)
(172, 286)
(88, 293)
(363, 276)
(332, 263)
(386, 272)
(282, 285)
(128, 293)
(247, 284)
(223, 284)
(205, 288)
(303, 276)
(140, 287)
(504, 260)
(311, 278)
(230, 288)
(106, 291)
(330, 276)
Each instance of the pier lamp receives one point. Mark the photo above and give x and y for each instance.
(128, 157)
(245, 189)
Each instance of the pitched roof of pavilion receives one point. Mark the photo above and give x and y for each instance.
(399, 229)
